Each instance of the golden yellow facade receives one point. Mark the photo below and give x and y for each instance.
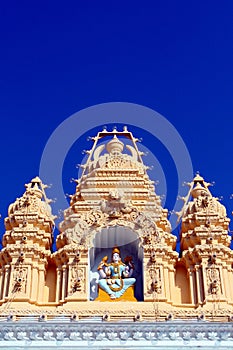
(115, 204)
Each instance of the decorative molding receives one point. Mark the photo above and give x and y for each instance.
(125, 334)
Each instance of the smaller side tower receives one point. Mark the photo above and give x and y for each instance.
(27, 242)
(205, 246)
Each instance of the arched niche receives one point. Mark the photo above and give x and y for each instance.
(181, 293)
(128, 243)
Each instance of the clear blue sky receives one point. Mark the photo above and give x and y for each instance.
(60, 57)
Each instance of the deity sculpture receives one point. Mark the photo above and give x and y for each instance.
(115, 277)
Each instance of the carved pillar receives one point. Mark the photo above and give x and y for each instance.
(203, 281)
(146, 277)
(85, 277)
(191, 276)
(167, 288)
(226, 283)
(29, 284)
(222, 289)
(59, 283)
(35, 284)
(171, 280)
(73, 282)
(41, 284)
(6, 291)
(201, 284)
(64, 283)
(198, 284)
(84, 295)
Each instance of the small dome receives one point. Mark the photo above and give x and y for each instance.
(115, 145)
(34, 188)
(199, 190)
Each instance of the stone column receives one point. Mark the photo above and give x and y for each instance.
(41, 284)
(223, 277)
(147, 297)
(6, 291)
(171, 280)
(166, 284)
(59, 284)
(34, 291)
(202, 283)
(64, 282)
(191, 277)
(198, 285)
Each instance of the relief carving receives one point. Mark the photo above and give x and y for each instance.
(213, 280)
(77, 278)
(116, 205)
(117, 162)
(76, 234)
(19, 279)
(154, 281)
(114, 211)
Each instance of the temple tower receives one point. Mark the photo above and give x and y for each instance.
(27, 242)
(116, 279)
(115, 204)
(205, 246)
(116, 256)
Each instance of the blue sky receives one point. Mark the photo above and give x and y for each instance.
(57, 58)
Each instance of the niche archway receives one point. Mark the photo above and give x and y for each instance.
(128, 243)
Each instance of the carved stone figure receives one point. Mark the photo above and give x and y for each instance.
(154, 281)
(20, 277)
(115, 277)
(116, 205)
(213, 280)
(76, 279)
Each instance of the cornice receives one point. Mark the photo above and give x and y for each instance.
(97, 332)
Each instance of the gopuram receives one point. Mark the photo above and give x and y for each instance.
(116, 280)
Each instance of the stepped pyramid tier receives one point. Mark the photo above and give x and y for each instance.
(114, 182)
(117, 171)
(115, 202)
(27, 242)
(205, 244)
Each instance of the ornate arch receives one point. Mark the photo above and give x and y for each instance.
(82, 228)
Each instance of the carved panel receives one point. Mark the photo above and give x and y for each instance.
(77, 276)
(20, 275)
(213, 280)
(154, 281)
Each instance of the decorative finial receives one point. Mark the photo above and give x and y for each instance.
(198, 178)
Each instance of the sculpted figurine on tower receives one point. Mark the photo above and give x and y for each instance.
(115, 277)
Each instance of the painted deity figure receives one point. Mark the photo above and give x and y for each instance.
(115, 277)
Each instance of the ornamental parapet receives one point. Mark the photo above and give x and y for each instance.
(71, 331)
